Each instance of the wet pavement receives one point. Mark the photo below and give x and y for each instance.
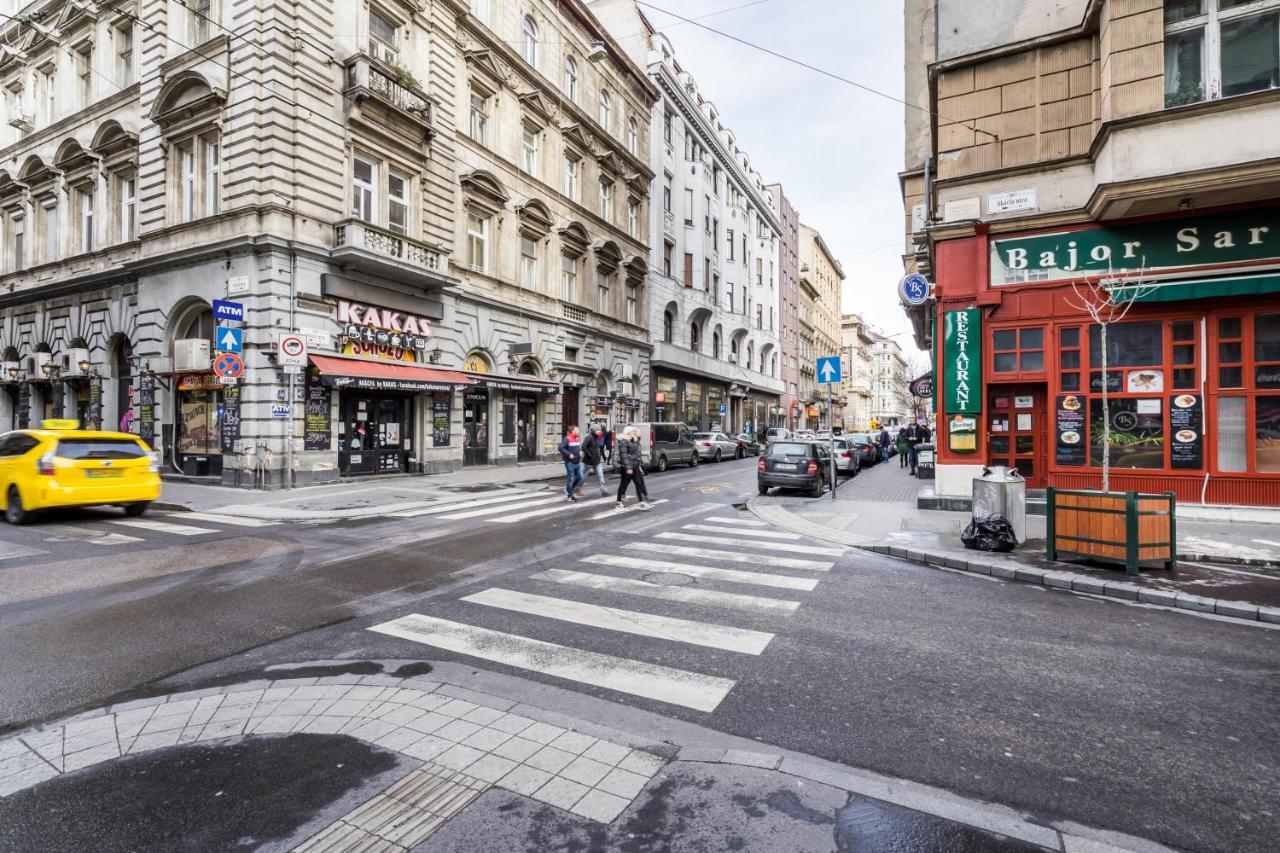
(870, 826)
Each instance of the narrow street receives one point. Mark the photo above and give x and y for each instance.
(1073, 710)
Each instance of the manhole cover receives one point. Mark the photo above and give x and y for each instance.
(668, 579)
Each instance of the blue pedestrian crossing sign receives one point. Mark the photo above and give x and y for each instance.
(829, 369)
(229, 339)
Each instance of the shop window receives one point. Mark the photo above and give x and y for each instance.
(1184, 355)
(1128, 345)
(1069, 359)
(1018, 350)
(1266, 351)
(1230, 352)
(1266, 448)
(1137, 432)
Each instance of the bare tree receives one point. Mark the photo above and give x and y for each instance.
(1108, 299)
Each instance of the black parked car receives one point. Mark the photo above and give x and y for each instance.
(747, 446)
(795, 465)
(868, 448)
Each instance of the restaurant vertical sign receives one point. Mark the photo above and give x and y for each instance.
(962, 361)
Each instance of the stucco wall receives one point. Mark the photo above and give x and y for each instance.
(972, 26)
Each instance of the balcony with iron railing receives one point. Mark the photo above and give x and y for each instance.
(390, 86)
(368, 248)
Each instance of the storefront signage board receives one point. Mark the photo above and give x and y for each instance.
(1223, 238)
(1186, 431)
(374, 383)
(229, 425)
(962, 360)
(382, 332)
(225, 309)
(1069, 449)
(316, 416)
(147, 409)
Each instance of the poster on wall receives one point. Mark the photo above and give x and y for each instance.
(229, 427)
(1069, 449)
(317, 422)
(962, 360)
(147, 409)
(1186, 427)
(962, 434)
(440, 419)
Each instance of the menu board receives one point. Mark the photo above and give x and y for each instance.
(1069, 449)
(147, 409)
(229, 431)
(440, 419)
(95, 404)
(316, 421)
(1186, 429)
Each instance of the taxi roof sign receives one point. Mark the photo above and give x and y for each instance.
(60, 423)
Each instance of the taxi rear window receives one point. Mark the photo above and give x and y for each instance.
(99, 448)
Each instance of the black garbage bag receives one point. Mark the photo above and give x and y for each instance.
(993, 533)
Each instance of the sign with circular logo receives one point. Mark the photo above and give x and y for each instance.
(914, 289)
(922, 387)
(1123, 420)
(228, 364)
(292, 350)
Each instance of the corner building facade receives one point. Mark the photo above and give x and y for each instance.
(1126, 144)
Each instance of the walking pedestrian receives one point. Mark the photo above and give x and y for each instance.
(608, 446)
(913, 439)
(593, 456)
(902, 447)
(884, 444)
(631, 467)
(571, 452)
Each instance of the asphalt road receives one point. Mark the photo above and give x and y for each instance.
(1158, 724)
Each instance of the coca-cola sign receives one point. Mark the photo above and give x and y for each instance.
(1267, 376)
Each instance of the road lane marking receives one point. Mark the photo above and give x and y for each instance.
(763, 534)
(12, 550)
(89, 534)
(708, 572)
(214, 518)
(162, 526)
(746, 522)
(747, 543)
(637, 678)
(461, 505)
(688, 595)
(730, 556)
(728, 638)
(1267, 542)
(615, 512)
(563, 506)
(491, 510)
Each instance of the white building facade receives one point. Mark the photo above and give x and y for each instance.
(891, 402)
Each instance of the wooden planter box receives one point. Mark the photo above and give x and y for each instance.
(1127, 528)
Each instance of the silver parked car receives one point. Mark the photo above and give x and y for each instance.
(848, 457)
(715, 446)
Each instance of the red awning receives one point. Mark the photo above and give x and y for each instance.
(367, 375)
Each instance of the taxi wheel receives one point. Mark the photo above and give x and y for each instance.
(13, 511)
(135, 510)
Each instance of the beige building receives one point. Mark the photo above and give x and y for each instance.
(856, 340)
(821, 277)
(388, 182)
(890, 381)
(1078, 140)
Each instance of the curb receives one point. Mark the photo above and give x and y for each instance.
(1014, 571)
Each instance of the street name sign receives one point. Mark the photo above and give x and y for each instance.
(225, 309)
(829, 369)
(229, 339)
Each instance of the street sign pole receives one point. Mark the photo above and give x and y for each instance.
(831, 424)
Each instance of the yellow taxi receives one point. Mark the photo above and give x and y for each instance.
(61, 465)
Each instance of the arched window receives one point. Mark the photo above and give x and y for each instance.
(668, 321)
(633, 136)
(751, 355)
(530, 43)
(571, 78)
(606, 109)
(715, 344)
(774, 370)
(695, 337)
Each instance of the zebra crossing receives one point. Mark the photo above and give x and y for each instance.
(110, 531)
(516, 505)
(661, 603)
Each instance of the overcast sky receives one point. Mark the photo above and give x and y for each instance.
(836, 149)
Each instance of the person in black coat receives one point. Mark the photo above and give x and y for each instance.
(593, 457)
(630, 464)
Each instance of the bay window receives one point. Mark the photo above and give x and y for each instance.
(1219, 48)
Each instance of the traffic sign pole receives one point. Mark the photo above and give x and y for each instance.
(831, 422)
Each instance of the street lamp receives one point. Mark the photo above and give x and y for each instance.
(49, 369)
(13, 374)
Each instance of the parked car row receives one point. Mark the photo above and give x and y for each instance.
(672, 443)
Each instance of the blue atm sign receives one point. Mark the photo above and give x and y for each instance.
(224, 309)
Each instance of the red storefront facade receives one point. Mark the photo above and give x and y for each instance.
(1193, 369)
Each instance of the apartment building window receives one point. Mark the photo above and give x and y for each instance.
(48, 95)
(481, 9)
(212, 151)
(771, 317)
(84, 75)
(479, 117)
(605, 112)
(715, 287)
(606, 200)
(729, 242)
(124, 54)
(572, 170)
(528, 262)
(529, 41)
(759, 271)
(667, 249)
(397, 202)
(530, 146)
(477, 242)
(633, 218)
(602, 292)
(382, 37)
(759, 316)
(127, 193)
(571, 79)
(201, 27)
(632, 303)
(186, 182)
(744, 299)
(17, 240)
(666, 193)
(633, 136)
(706, 273)
(569, 278)
(668, 327)
(1219, 48)
(715, 234)
(715, 344)
(731, 299)
(688, 207)
(86, 219)
(364, 190)
(666, 126)
(688, 269)
(49, 223)
(695, 337)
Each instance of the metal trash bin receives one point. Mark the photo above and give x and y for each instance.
(1002, 491)
(926, 466)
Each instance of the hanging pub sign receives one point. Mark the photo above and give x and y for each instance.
(962, 360)
(922, 386)
(383, 333)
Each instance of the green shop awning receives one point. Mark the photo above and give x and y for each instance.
(1204, 288)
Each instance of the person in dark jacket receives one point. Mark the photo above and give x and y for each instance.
(608, 446)
(884, 444)
(593, 457)
(915, 435)
(571, 452)
(903, 450)
(630, 466)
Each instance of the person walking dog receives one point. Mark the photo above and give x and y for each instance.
(571, 452)
(630, 467)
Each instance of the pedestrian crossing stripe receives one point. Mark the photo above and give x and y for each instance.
(93, 535)
(615, 512)
(707, 572)
(636, 622)
(161, 526)
(763, 534)
(687, 595)
(730, 556)
(564, 506)
(747, 543)
(454, 506)
(637, 678)
(746, 522)
(491, 510)
(233, 520)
